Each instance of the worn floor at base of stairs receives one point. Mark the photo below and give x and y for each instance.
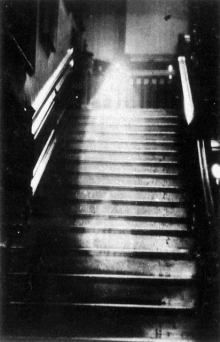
(110, 255)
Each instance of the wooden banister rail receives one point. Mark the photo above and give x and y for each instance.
(187, 94)
(43, 105)
(49, 91)
(204, 171)
(200, 143)
(204, 207)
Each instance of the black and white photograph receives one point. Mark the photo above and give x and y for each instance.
(110, 170)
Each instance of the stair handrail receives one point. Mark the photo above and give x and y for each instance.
(187, 94)
(200, 143)
(43, 105)
(49, 91)
(204, 172)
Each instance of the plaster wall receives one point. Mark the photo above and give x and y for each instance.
(152, 26)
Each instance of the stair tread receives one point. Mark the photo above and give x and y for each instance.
(112, 325)
(129, 186)
(109, 223)
(98, 338)
(107, 276)
(145, 179)
(120, 251)
(129, 133)
(129, 147)
(136, 112)
(124, 252)
(125, 174)
(103, 291)
(144, 218)
(120, 162)
(126, 136)
(133, 110)
(176, 266)
(126, 120)
(124, 169)
(97, 199)
(150, 129)
(123, 114)
(109, 305)
(111, 240)
(97, 139)
(144, 151)
(109, 173)
(121, 123)
(117, 156)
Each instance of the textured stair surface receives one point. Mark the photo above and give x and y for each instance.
(110, 255)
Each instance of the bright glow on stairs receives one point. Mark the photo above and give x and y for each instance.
(117, 89)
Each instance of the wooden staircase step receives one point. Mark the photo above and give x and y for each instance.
(131, 112)
(134, 226)
(124, 136)
(57, 259)
(99, 290)
(100, 325)
(124, 210)
(123, 128)
(126, 196)
(162, 213)
(112, 146)
(110, 240)
(123, 157)
(127, 111)
(116, 240)
(129, 181)
(132, 169)
(125, 120)
(112, 306)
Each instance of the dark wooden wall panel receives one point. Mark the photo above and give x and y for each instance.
(105, 28)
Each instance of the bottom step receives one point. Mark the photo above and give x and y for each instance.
(100, 324)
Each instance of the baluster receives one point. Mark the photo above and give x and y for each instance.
(138, 93)
(161, 93)
(154, 93)
(146, 93)
(169, 93)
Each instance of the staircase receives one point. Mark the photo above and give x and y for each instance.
(110, 253)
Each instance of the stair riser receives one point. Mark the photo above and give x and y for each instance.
(125, 129)
(124, 136)
(124, 181)
(136, 112)
(110, 323)
(122, 101)
(100, 263)
(93, 146)
(127, 112)
(124, 169)
(99, 223)
(125, 195)
(125, 120)
(122, 157)
(111, 240)
(72, 290)
(126, 210)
